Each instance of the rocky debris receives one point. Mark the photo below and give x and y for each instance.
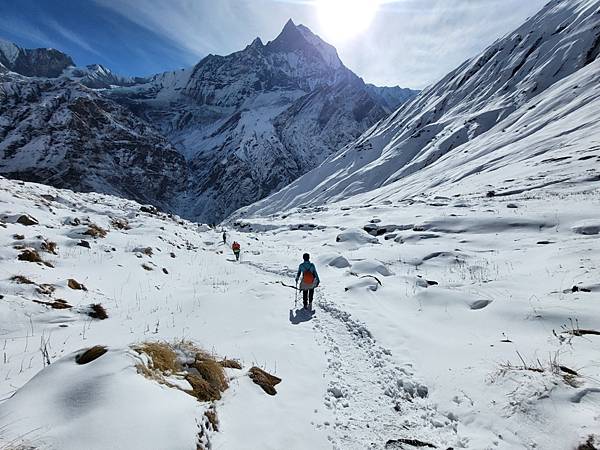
(27, 220)
(83, 243)
(149, 209)
(18, 237)
(120, 223)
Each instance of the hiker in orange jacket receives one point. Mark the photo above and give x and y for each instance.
(310, 280)
(236, 250)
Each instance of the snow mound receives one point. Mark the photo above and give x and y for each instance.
(356, 236)
(587, 228)
(371, 267)
(73, 406)
(337, 261)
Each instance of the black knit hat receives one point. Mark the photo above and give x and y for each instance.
(306, 257)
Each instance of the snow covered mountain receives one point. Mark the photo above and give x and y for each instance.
(247, 124)
(524, 113)
(38, 62)
(251, 122)
(58, 132)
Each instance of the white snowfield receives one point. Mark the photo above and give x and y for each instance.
(461, 323)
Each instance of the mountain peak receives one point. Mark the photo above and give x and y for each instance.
(300, 38)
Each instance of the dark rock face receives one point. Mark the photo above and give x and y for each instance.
(37, 62)
(57, 132)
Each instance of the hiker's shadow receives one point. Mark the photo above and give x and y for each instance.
(300, 315)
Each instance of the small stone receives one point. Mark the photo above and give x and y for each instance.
(83, 243)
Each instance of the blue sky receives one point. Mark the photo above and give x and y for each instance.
(411, 42)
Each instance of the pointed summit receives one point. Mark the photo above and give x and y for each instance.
(295, 38)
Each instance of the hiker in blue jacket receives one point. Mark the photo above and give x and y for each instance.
(310, 280)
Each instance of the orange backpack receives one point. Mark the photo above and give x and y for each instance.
(308, 277)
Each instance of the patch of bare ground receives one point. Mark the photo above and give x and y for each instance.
(30, 255)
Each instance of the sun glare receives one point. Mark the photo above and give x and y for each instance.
(344, 19)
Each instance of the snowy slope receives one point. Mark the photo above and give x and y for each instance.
(417, 335)
(510, 113)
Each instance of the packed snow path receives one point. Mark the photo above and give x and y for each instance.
(375, 399)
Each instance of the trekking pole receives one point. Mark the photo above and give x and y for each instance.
(296, 298)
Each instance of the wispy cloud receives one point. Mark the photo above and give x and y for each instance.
(412, 42)
(74, 38)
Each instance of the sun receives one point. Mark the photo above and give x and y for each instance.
(344, 19)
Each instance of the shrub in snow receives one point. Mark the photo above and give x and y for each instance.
(95, 231)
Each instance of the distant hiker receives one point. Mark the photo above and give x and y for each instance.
(236, 250)
(224, 237)
(310, 280)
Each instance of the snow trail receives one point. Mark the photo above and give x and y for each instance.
(374, 398)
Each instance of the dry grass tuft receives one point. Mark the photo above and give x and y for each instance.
(91, 354)
(76, 285)
(230, 364)
(45, 289)
(98, 312)
(56, 304)
(49, 247)
(30, 255)
(202, 389)
(162, 355)
(21, 279)
(95, 231)
(265, 380)
(205, 375)
(211, 371)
